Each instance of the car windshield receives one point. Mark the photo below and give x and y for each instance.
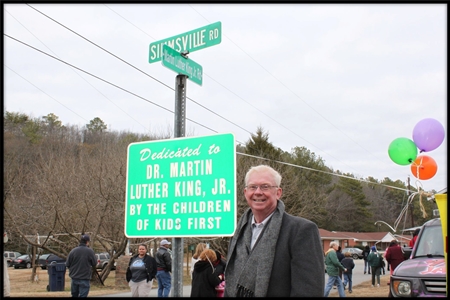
(431, 242)
(23, 256)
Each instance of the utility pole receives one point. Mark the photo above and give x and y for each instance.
(412, 203)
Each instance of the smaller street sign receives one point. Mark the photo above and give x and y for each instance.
(176, 62)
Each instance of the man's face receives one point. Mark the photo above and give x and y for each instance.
(262, 200)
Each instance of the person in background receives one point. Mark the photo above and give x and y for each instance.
(412, 242)
(219, 264)
(272, 253)
(140, 273)
(366, 253)
(163, 268)
(340, 257)
(394, 255)
(6, 283)
(349, 264)
(80, 261)
(374, 260)
(333, 265)
(198, 250)
(204, 280)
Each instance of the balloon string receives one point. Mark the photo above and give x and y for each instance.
(418, 167)
(422, 192)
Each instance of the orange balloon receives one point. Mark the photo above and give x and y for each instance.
(424, 167)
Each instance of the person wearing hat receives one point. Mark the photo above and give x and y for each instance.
(164, 267)
(80, 262)
(375, 259)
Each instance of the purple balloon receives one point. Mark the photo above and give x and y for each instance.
(428, 134)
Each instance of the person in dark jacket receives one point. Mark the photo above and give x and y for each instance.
(394, 255)
(366, 253)
(219, 264)
(349, 264)
(272, 253)
(140, 273)
(80, 262)
(340, 257)
(204, 280)
(375, 260)
(164, 268)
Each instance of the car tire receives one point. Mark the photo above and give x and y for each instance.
(16, 267)
(355, 256)
(43, 268)
(28, 266)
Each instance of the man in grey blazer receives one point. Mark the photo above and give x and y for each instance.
(272, 253)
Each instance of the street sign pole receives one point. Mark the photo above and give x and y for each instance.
(179, 131)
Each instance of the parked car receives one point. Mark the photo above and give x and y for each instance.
(424, 273)
(103, 260)
(23, 261)
(46, 259)
(10, 255)
(356, 252)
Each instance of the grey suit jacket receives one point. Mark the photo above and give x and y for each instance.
(298, 268)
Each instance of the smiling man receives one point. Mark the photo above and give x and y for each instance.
(272, 253)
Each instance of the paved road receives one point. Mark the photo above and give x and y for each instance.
(358, 274)
(358, 277)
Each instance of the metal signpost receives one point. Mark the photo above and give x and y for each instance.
(185, 186)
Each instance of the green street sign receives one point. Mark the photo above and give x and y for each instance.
(176, 62)
(182, 187)
(191, 41)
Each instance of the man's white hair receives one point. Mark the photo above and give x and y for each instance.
(332, 244)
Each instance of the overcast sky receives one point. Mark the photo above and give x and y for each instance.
(343, 80)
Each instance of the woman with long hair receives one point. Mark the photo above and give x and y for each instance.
(198, 250)
(204, 279)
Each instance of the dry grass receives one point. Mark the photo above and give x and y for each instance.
(21, 286)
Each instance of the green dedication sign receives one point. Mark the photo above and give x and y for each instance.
(182, 187)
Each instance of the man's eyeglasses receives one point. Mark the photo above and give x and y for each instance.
(262, 187)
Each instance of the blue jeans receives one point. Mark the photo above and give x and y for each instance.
(330, 283)
(348, 279)
(366, 266)
(164, 283)
(79, 288)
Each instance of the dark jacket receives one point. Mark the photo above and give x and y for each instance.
(366, 252)
(349, 264)
(219, 265)
(150, 267)
(340, 255)
(80, 262)
(375, 259)
(297, 269)
(204, 280)
(163, 259)
(394, 256)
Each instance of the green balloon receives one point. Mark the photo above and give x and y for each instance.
(402, 151)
